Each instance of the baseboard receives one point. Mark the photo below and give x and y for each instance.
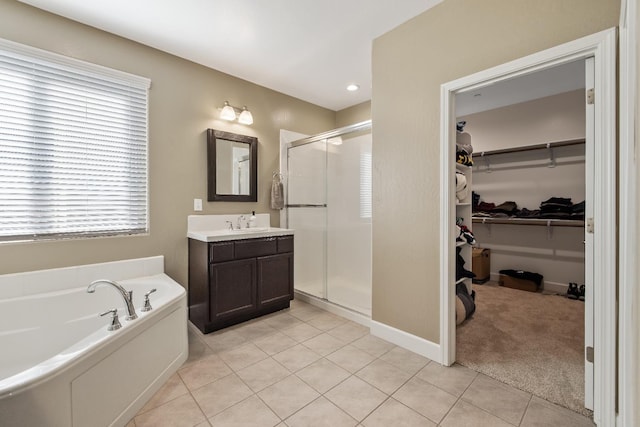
(408, 341)
(552, 287)
(334, 308)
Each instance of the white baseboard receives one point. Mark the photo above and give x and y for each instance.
(557, 287)
(406, 340)
(334, 308)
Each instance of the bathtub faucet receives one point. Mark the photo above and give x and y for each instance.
(127, 296)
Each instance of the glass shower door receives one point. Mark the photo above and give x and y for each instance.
(349, 273)
(307, 215)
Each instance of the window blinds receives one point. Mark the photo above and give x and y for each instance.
(73, 147)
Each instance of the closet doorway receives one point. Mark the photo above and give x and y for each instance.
(598, 53)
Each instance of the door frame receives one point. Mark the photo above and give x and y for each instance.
(601, 46)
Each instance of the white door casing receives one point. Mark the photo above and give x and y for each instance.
(602, 48)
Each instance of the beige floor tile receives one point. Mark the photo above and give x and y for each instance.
(296, 357)
(323, 375)
(453, 379)
(325, 321)
(351, 358)
(349, 331)
(131, 424)
(383, 376)
(224, 340)
(173, 388)
(204, 371)
(243, 356)
(324, 344)
(541, 413)
(321, 413)
(288, 396)
(182, 411)
(465, 414)
(222, 394)
(282, 320)
(305, 312)
(198, 349)
(250, 412)
(356, 397)
(373, 345)
(301, 332)
(426, 399)
(254, 330)
(275, 343)
(203, 424)
(498, 399)
(263, 374)
(406, 360)
(394, 413)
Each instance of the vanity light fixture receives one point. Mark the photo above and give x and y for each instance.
(229, 112)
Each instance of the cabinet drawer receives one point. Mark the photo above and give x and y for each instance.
(255, 247)
(221, 251)
(285, 244)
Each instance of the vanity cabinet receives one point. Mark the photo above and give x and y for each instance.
(237, 280)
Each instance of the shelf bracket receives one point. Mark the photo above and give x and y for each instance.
(549, 230)
(487, 163)
(552, 159)
(488, 225)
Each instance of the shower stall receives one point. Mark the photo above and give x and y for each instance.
(328, 204)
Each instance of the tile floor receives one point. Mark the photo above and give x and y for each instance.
(306, 367)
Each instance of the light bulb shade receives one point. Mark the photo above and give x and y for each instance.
(227, 113)
(245, 117)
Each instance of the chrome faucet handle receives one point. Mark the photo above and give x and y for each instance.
(115, 323)
(230, 223)
(240, 218)
(147, 304)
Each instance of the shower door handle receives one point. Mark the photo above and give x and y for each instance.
(306, 206)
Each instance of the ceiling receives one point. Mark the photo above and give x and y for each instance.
(546, 82)
(308, 49)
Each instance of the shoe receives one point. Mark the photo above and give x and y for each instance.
(573, 292)
(581, 293)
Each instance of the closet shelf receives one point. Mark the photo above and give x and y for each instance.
(463, 204)
(530, 221)
(530, 147)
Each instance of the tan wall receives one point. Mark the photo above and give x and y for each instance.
(183, 103)
(355, 114)
(452, 40)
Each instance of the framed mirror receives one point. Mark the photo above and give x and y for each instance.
(232, 167)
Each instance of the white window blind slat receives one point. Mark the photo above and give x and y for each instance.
(73, 147)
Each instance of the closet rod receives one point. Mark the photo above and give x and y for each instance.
(530, 147)
(526, 221)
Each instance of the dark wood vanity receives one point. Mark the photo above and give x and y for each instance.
(236, 280)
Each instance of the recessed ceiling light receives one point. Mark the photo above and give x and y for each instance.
(353, 87)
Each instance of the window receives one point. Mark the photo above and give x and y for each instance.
(73, 147)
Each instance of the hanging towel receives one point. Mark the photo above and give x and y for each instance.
(277, 192)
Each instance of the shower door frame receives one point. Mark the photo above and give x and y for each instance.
(356, 127)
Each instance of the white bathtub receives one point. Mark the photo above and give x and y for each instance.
(59, 366)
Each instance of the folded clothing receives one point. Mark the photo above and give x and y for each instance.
(508, 208)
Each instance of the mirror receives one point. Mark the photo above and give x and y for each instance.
(232, 167)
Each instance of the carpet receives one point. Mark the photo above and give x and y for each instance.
(531, 341)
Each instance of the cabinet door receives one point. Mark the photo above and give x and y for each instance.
(233, 289)
(275, 279)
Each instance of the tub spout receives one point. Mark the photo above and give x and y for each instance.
(127, 296)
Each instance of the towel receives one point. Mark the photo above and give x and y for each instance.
(277, 193)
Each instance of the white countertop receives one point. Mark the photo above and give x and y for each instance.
(245, 233)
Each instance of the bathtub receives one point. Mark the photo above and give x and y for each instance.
(60, 366)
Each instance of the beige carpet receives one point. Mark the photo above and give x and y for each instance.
(531, 341)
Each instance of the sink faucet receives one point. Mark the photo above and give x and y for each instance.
(127, 296)
(240, 218)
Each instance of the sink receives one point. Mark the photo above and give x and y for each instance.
(251, 230)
